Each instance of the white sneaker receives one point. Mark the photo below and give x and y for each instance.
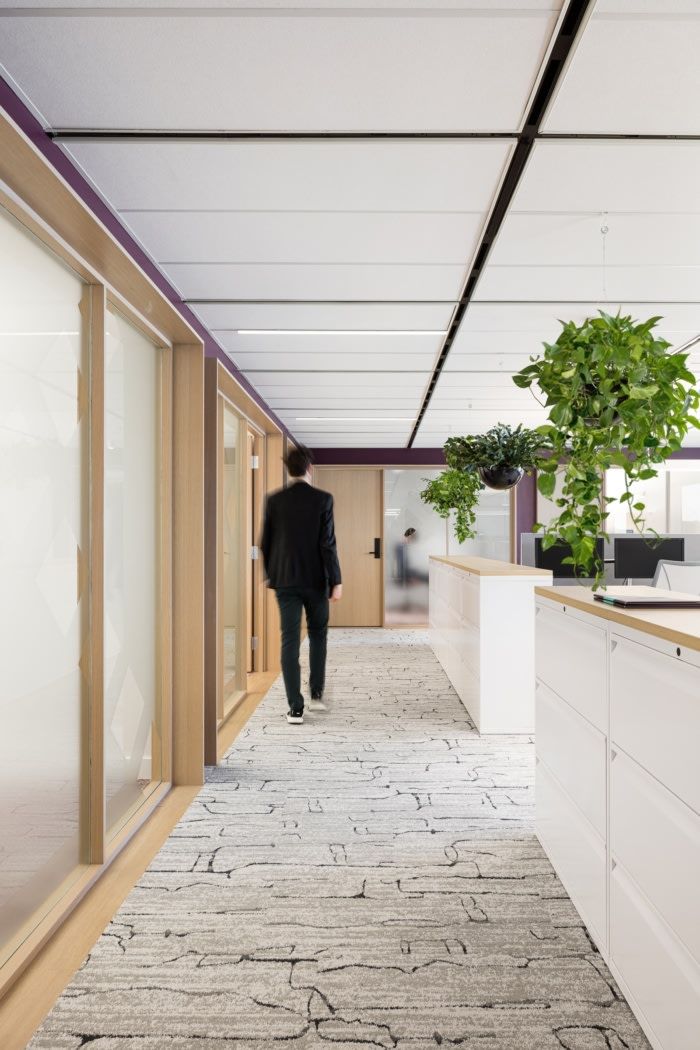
(295, 720)
(316, 704)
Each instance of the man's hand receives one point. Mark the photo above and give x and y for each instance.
(337, 592)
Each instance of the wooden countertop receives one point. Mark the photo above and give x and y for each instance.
(488, 566)
(680, 626)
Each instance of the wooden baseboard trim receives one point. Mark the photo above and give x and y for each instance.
(259, 682)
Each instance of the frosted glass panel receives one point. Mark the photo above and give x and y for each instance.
(231, 560)
(652, 493)
(412, 532)
(492, 538)
(41, 609)
(684, 500)
(132, 526)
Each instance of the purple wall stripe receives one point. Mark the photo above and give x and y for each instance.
(379, 457)
(27, 122)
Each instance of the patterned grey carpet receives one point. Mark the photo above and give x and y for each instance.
(368, 879)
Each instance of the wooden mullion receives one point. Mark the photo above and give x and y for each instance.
(96, 444)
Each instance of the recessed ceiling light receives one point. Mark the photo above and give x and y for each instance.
(335, 331)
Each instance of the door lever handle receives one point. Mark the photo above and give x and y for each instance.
(377, 552)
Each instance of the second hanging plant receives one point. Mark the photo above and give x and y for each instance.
(496, 459)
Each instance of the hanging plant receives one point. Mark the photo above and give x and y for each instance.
(617, 398)
(497, 458)
(458, 491)
(502, 455)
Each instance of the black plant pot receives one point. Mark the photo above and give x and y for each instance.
(500, 477)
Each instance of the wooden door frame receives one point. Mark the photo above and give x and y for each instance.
(222, 388)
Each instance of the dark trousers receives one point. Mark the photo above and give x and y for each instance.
(291, 601)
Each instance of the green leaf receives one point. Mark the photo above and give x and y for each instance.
(546, 483)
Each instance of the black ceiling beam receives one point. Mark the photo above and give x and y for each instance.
(553, 71)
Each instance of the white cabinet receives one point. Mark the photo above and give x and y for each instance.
(579, 851)
(655, 714)
(618, 800)
(656, 838)
(660, 979)
(571, 660)
(576, 753)
(482, 619)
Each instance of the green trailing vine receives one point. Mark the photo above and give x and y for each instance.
(456, 490)
(616, 398)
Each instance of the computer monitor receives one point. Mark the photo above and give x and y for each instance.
(552, 557)
(636, 557)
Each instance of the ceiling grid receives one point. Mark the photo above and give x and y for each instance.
(380, 211)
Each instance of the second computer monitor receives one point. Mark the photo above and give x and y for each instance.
(553, 558)
(636, 557)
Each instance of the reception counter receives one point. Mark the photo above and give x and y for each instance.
(618, 793)
(482, 628)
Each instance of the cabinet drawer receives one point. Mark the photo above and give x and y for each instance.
(655, 715)
(659, 975)
(571, 660)
(575, 751)
(575, 850)
(657, 839)
(470, 591)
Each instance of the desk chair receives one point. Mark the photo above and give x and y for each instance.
(678, 576)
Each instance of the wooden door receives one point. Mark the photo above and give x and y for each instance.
(358, 527)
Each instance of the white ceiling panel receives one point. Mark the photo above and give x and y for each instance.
(321, 381)
(614, 176)
(333, 362)
(330, 281)
(612, 284)
(635, 71)
(302, 238)
(231, 317)
(330, 343)
(295, 175)
(630, 240)
(293, 398)
(503, 327)
(489, 379)
(495, 6)
(445, 70)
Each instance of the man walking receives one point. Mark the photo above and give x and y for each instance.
(301, 564)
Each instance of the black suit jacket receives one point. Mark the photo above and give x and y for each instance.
(298, 540)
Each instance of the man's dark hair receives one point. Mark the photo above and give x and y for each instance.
(298, 461)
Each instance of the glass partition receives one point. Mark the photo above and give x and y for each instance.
(684, 499)
(412, 532)
(131, 569)
(492, 526)
(232, 640)
(43, 599)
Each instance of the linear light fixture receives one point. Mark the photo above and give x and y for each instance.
(335, 331)
(355, 419)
